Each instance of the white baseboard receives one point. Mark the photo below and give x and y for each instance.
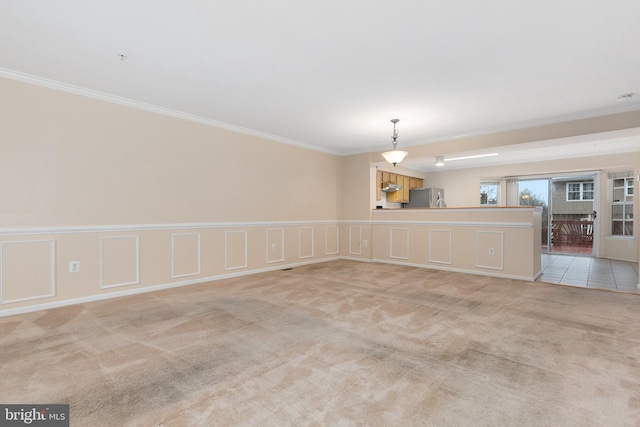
(457, 270)
(152, 288)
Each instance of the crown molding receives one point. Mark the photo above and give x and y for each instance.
(102, 96)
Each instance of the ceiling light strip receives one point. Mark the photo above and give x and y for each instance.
(470, 157)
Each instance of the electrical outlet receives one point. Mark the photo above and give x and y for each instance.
(492, 251)
(273, 247)
(365, 243)
(630, 245)
(74, 266)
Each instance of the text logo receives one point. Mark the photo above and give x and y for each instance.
(34, 415)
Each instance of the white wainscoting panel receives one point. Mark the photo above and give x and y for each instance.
(440, 246)
(235, 250)
(185, 255)
(355, 240)
(119, 261)
(29, 261)
(275, 236)
(305, 242)
(399, 243)
(331, 240)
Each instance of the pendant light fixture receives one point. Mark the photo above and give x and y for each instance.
(395, 156)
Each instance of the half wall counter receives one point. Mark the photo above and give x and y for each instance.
(491, 241)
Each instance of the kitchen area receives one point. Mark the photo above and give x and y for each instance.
(394, 191)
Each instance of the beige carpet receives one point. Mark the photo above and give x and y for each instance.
(338, 343)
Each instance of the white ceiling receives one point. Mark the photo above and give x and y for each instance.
(331, 74)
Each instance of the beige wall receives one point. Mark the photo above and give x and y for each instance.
(144, 201)
(72, 160)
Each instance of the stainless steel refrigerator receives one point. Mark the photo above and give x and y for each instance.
(425, 198)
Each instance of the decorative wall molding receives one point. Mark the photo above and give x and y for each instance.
(102, 96)
(458, 224)
(152, 288)
(269, 241)
(357, 231)
(102, 263)
(300, 255)
(3, 283)
(449, 259)
(173, 258)
(226, 249)
(404, 232)
(326, 240)
(124, 228)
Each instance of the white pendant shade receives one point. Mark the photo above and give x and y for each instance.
(394, 156)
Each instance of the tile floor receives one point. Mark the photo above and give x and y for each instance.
(587, 272)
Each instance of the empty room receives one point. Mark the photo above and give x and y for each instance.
(327, 213)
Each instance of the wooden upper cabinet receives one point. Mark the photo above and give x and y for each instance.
(416, 183)
(402, 195)
(406, 184)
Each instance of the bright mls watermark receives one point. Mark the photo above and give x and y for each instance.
(34, 415)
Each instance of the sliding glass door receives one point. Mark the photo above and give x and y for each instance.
(572, 214)
(535, 192)
(568, 211)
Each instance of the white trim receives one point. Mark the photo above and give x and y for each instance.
(450, 247)
(581, 191)
(102, 96)
(351, 239)
(281, 245)
(455, 270)
(313, 242)
(173, 263)
(352, 258)
(501, 234)
(145, 289)
(619, 237)
(52, 244)
(326, 240)
(484, 209)
(23, 231)
(391, 243)
(246, 257)
(115, 285)
(459, 224)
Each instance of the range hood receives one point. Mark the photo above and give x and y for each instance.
(391, 188)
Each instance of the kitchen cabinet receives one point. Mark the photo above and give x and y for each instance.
(402, 195)
(416, 183)
(406, 185)
(406, 182)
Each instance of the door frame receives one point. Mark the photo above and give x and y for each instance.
(595, 250)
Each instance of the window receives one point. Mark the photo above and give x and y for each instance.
(489, 191)
(579, 191)
(622, 207)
